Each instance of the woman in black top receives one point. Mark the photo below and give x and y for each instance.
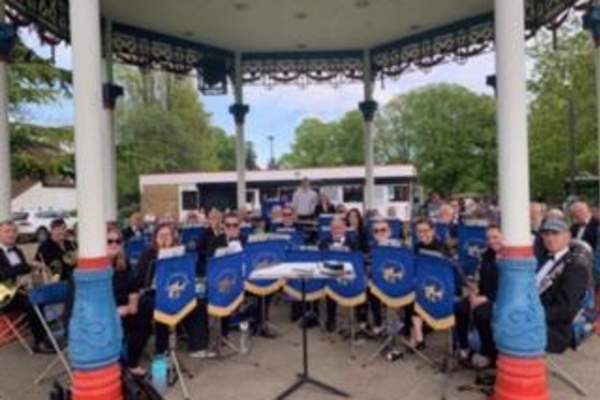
(196, 322)
(427, 241)
(355, 223)
(136, 321)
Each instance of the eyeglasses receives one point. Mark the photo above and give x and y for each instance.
(114, 241)
(380, 230)
(287, 214)
(232, 225)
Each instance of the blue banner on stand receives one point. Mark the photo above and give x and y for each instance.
(261, 255)
(435, 291)
(175, 288)
(315, 288)
(393, 276)
(191, 237)
(472, 244)
(225, 284)
(134, 248)
(347, 292)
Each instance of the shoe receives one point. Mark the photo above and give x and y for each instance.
(420, 346)
(266, 333)
(377, 332)
(394, 355)
(202, 354)
(43, 348)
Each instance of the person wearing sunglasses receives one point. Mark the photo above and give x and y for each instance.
(196, 322)
(427, 241)
(382, 235)
(136, 322)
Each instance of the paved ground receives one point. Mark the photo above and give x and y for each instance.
(272, 364)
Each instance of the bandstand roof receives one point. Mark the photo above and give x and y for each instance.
(290, 40)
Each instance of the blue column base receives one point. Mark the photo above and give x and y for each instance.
(519, 319)
(95, 333)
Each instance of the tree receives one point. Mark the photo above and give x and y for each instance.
(226, 149)
(561, 75)
(319, 143)
(37, 152)
(448, 132)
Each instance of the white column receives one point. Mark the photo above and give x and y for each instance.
(5, 175)
(240, 143)
(89, 157)
(109, 148)
(368, 136)
(513, 158)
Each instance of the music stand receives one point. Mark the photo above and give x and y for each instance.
(175, 299)
(303, 272)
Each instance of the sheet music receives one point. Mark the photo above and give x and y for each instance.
(298, 270)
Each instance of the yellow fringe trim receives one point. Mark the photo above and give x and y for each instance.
(344, 301)
(263, 290)
(436, 324)
(220, 312)
(172, 320)
(391, 301)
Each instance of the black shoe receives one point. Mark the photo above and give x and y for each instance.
(420, 346)
(266, 333)
(394, 355)
(43, 348)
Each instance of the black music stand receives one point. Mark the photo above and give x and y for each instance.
(304, 377)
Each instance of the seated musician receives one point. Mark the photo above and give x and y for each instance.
(136, 321)
(339, 239)
(563, 278)
(12, 266)
(325, 205)
(382, 233)
(196, 322)
(428, 242)
(477, 308)
(355, 223)
(288, 222)
(136, 227)
(60, 255)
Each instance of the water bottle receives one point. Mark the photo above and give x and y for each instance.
(244, 337)
(160, 372)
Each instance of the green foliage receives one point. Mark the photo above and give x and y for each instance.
(36, 151)
(40, 152)
(319, 143)
(162, 126)
(448, 132)
(561, 75)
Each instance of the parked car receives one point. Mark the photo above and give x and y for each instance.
(35, 224)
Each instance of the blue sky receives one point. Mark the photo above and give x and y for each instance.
(279, 110)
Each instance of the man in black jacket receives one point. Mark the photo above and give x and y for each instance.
(340, 239)
(585, 226)
(562, 279)
(13, 265)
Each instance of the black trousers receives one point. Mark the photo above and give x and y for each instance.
(20, 304)
(195, 325)
(137, 329)
(373, 304)
(296, 309)
(481, 318)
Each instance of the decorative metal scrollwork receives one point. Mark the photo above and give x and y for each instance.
(455, 42)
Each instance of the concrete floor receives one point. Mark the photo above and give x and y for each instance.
(272, 364)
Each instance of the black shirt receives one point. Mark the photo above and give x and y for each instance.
(11, 272)
(61, 260)
(124, 284)
(488, 275)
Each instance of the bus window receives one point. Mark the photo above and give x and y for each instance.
(353, 194)
(398, 193)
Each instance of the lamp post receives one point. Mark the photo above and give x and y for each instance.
(272, 159)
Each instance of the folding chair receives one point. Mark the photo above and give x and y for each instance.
(13, 328)
(53, 294)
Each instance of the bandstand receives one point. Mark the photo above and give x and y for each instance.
(227, 44)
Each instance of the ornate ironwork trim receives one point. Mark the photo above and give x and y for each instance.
(457, 41)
